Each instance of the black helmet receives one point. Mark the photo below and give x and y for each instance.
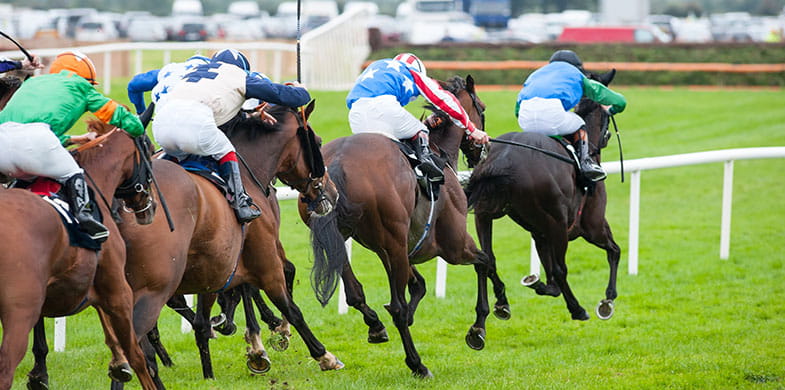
(567, 56)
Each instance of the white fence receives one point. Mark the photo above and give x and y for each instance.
(332, 54)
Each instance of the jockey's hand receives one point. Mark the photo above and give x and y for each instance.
(35, 64)
(82, 139)
(607, 108)
(295, 84)
(479, 137)
(264, 115)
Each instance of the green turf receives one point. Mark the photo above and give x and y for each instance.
(688, 320)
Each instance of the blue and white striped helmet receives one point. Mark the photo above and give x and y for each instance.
(234, 57)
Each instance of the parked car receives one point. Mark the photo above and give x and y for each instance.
(96, 30)
(146, 29)
(188, 30)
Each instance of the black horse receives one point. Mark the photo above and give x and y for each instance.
(546, 196)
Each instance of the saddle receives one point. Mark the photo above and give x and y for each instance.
(427, 186)
(586, 185)
(49, 191)
(204, 166)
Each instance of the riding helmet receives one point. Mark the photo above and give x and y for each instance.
(411, 61)
(77, 62)
(198, 57)
(234, 57)
(567, 56)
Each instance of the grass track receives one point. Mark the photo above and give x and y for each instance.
(687, 320)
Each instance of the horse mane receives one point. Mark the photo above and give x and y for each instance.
(98, 126)
(585, 107)
(252, 126)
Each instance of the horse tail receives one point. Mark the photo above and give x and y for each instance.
(329, 251)
(483, 183)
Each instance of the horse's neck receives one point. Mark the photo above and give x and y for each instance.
(103, 165)
(449, 142)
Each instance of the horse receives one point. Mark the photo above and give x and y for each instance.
(209, 251)
(8, 85)
(47, 276)
(546, 197)
(382, 207)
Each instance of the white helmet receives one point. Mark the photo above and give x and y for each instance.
(411, 61)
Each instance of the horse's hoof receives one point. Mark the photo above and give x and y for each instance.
(502, 312)
(218, 320)
(37, 383)
(121, 373)
(581, 316)
(604, 309)
(227, 328)
(378, 337)
(475, 338)
(258, 363)
(422, 373)
(328, 361)
(278, 342)
(530, 280)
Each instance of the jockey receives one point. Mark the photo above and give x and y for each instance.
(8, 65)
(209, 96)
(159, 81)
(377, 99)
(548, 95)
(33, 126)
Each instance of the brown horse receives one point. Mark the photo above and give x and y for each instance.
(382, 207)
(544, 196)
(45, 276)
(208, 251)
(8, 85)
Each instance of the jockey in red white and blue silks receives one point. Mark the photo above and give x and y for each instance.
(376, 101)
(160, 81)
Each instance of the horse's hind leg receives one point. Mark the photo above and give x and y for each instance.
(416, 292)
(256, 357)
(203, 331)
(38, 377)
(554, 250)
(484, 226)
(355, 297)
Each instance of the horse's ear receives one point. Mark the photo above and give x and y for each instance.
(606, 78)
(309, 108)
(470, 83)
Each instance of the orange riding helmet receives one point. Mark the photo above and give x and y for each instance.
(76, 62)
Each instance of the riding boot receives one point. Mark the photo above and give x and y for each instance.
(423, 152)
(79, 200)
(590, 169)
(243, 205)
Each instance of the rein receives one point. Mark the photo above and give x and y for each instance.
(547, 152)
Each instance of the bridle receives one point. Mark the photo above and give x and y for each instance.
(314, 160)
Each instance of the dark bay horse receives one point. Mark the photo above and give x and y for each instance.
(540, 193)
(382, 207)
(43, 275)
(208, 251)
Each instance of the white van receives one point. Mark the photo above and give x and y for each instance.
(187, 8)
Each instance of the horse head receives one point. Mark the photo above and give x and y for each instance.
(300, 164)
(595, 116)
(135, 168)
(450, 137)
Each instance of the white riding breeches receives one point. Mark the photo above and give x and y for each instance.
(32, 149)
(548, 117)
(383, 115)
(184, 127)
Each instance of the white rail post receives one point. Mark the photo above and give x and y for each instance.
(534, 259)
(167, 57)
(185, 326)
(343, 308)
(727, 201)
(635, 205)
(441, 278)
(59, 334)
(107, 72)
(138, 62)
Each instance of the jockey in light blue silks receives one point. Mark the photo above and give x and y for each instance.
(377, 99)
(211, 94)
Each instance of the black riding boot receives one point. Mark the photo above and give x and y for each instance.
(242, 204)
(78, 201)
(590, 169)
(423, 152)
